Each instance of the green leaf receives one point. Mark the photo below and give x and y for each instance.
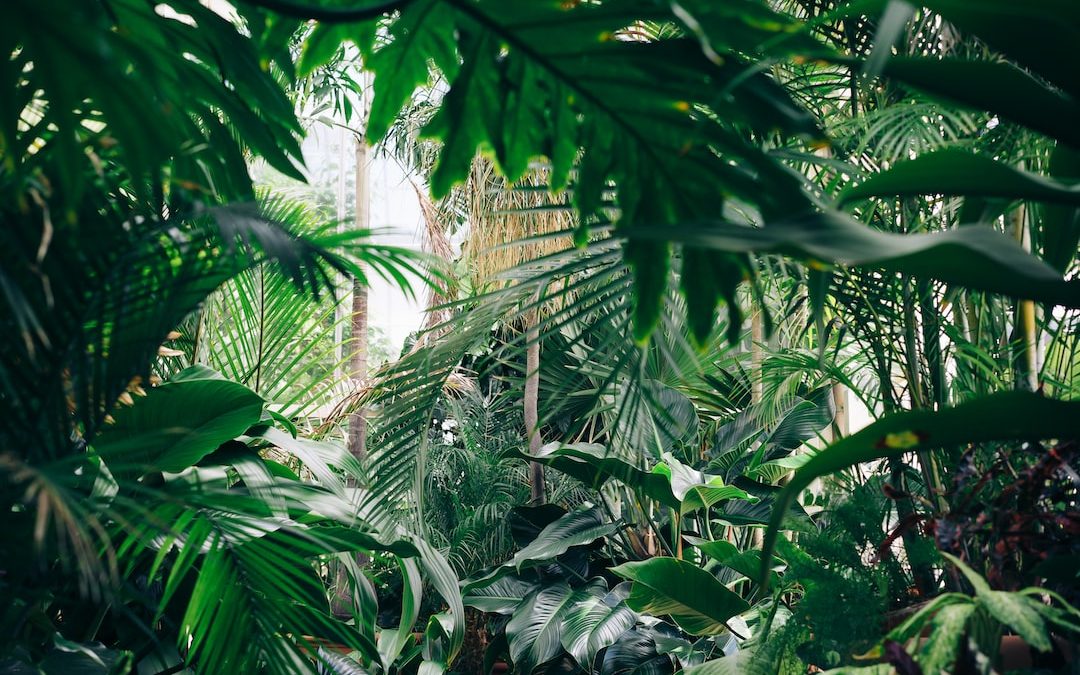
(735, 664)
(1040, 35)
(444, 580)
(594, 624)
(997, 87)
(1001, 416)
(577, 528)
(747, 563)
(424, 30)
(320, 47)
(650, 262)
(635, 653)
(913, 626)
(694, 490)
(535, 629)
(77, 658)
(502, 596)
(651, 116)
(1016, 613)
(977, 258)
(747, 27)
(699, 603)
(673, 413)
(948, 630)
(177, 424)
(671, 483)
(463, 121)
(1061, 223)
(392, 642)
(954, 171)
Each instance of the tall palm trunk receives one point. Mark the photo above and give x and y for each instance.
(358, 359)
(358, 366)
(531, 401)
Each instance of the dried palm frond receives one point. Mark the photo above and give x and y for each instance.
(510, 225)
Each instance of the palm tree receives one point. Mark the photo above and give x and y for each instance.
(151, 520)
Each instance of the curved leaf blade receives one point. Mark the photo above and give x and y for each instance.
(699, 603)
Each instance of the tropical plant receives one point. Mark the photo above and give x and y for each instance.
(148, 524)
(920, 162)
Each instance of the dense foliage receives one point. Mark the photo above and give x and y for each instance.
(883, 197)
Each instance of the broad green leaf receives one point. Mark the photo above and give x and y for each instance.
(444, 580)
(78, 658)
(994, 86)
(694, 490)
(592, 625)
(740, 512)
(324, 41)
(1016, 613)
(671, 483)
(672, 414)
(577, 528)
(746, 563)
(699, 603)
(875, 669)
(746, 27)
(955, 171)
(502, 596)
(1001, 416)
(535, 629)
(948, 629)
(977, 258)
(321, 458)
(735, 664)
(1038, 35)
(177, 424)
(635, 653)
(463, 121)
(392, 642)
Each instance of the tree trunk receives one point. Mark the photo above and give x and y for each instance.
(1025, 336)
(358, 358)
(341, 606)
(531, 400)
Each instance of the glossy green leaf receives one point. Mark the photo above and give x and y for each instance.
(670, 482)
(747, 563)
(699, 603)
(978, 258)
(635, 653)
(994, 86)
(502, 596)
(577, 528)
(959, 172)
(594, 624)
(535, 629)
(177, 424)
